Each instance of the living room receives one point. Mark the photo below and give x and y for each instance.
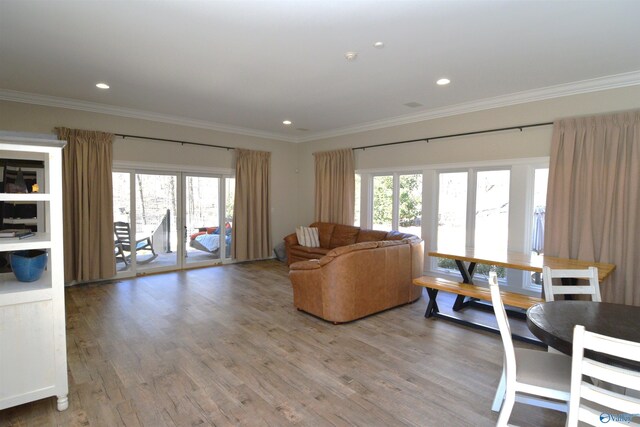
(281, 366)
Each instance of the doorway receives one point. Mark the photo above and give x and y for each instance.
(174, 220)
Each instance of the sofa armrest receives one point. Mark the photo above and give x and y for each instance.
(305, 265)
(291, 239)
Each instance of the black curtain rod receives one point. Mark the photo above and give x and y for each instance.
(433, 138)
(124, 136)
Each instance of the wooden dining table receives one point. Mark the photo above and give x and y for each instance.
(553, 323)
(516, 260)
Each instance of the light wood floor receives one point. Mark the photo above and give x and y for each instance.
(224, 346)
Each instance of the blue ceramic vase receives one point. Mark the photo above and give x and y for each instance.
(28, 266)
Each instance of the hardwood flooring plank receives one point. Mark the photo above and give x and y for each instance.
(224, 346)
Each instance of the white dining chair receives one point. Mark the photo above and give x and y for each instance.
(623, 406)
(532, 377)
(590, 274)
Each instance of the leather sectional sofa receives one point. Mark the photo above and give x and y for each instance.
(355, 272)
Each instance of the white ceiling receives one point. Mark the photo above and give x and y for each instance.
(246, 66)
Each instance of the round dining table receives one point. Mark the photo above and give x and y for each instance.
(553, 322)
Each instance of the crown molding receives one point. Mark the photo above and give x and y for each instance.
(550, 92)
(557, 91)
(94, 107)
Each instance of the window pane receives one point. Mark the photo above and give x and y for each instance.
(230, 191)
(382, 202)
(356, 208)
(121, 213)
(492, 211)
(202, 232)
(121, 196)
(452, 214)
(539, 206)
(410, 204)
(156, 219)
(540, 181)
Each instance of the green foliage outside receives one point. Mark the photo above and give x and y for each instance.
(382, 199)
(481, 269)
(410, 199)
(228, 208)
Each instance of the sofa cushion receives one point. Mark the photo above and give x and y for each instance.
(370, 236)
(325, 230)
(308, 236)
(343, 235)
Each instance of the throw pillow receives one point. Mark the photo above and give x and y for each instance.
(308, 236)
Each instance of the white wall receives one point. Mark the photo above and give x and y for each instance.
(534, 142)
(33, 118)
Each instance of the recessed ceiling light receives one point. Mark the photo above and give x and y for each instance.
(443, 82)
(287, 122)
(102, 86)
(378, 45)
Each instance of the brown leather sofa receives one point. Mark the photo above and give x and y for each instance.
(348, 282)
(334, 236)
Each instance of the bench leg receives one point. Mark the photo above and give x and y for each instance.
(461, 303)
(432, 306)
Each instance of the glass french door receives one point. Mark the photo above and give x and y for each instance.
(202, 233)
(156, 214)
(166, 221)
(208, 219)
(145, 215)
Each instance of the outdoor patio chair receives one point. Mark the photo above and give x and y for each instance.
(123, 243)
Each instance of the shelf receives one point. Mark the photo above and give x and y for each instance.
(13, 291)
(39, 241)
(23, 202)
(32, 315)
(25, 197)
(25, 221)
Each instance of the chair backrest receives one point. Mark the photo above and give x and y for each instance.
(624, 406)
(122, 232)
(505, 329)
(590, 274)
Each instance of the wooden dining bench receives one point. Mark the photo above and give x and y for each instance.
(435, 284)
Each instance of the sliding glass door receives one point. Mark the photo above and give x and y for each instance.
(202, 232)
(170, 220)
(156, 197)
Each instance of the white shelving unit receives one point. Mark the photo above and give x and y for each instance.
(33, 352)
